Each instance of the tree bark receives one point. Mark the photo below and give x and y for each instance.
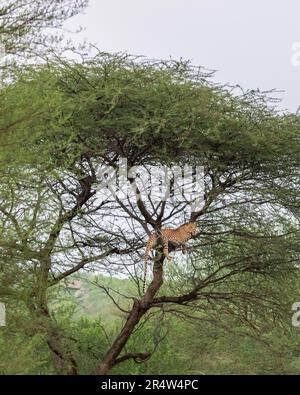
(139, 309)
(63, 360)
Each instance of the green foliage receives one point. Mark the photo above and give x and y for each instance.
(199, 346)
(242, 275)
(168, 110)
(21, 22)
(23, 346)
(22, 354)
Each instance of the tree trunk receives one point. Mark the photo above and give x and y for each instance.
(63, 361)
(62, 358)
(139, 308)
(63, 364)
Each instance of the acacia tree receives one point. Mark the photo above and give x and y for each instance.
(22, 24)
(58, 219)
(21, 21)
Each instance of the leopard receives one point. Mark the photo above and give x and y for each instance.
(177, 236)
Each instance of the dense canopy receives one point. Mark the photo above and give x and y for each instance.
(61, 121)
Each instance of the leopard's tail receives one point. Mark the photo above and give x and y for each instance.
(146, 256)
(145, 274)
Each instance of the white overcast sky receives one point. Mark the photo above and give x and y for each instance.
(252, 43)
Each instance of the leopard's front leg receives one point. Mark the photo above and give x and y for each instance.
(183, 249)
